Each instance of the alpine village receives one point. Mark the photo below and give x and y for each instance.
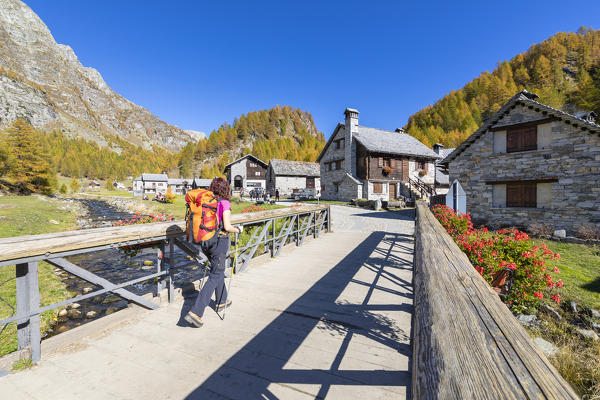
(452, 254)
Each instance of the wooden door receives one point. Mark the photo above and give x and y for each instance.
(310, 182)
(393, 191)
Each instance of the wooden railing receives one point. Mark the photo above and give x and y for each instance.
(466, 342)
(270, 231)
(424, 189)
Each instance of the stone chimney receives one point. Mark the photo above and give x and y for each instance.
(350, 128)
(438, 147)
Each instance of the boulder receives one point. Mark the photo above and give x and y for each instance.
(111, 299)
(547, 348)
(87, 290)
(74, 306)
(63, 313)
(528, 320)
(91, 314)
(53, 222)
(561, 233)
(595, 313)
(573, 307)
(75, 314)
(553, 313)
(588, 333)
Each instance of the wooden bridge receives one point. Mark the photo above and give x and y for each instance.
(320, 314)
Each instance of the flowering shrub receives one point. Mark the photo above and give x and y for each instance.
(253, 208)
(492, 252)
(143, 219)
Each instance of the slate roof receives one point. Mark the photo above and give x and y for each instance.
(295, 168)
(202, 182)
(441, 177)
(446, 152)
(258, 160)
(155, 177)
(527, 99)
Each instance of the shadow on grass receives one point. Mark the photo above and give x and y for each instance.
(593, 286)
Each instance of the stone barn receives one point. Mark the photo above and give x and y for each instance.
(291, 176)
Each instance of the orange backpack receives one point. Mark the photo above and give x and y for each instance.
(201, 216)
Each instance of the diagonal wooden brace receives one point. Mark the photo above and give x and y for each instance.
(306, 227)
(286, 233)
(259, 238)
(96, 280)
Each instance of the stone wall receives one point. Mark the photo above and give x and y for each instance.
(571, 155)
(329, 178)
(287, 184)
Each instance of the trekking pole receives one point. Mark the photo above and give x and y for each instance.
(233, 268)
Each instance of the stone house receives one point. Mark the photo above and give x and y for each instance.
(442, 181)
(531, 163)
(361, 162)
(290, 176)
(246, 173)
(150, 184)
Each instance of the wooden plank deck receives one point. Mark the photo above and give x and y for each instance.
(330, 319)
(467, 343)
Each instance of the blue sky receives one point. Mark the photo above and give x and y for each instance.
(197, 64)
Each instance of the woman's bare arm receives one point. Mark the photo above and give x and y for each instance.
(227, 223)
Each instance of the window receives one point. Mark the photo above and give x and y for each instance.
(252, 164)
(521, 195)
(257, 173)
(380, 161)
(521, 139)
(422, 165)
(336, 187)
(387, 162)
(377, 187)
(338, 164)
(339, 143)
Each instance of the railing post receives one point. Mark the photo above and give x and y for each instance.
(160, 261)
(329, 218)
(298, 230)
(314, 213)
(28, 299)
(171, 270)
(273, 237)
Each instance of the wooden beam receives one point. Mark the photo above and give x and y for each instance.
(96, 280)
(22, 247)
(524, 180)
(522, 124)
(466, 342)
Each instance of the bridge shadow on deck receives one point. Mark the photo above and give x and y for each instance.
(267, 358)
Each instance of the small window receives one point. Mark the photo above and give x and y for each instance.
(387, 162)
(380, 161)
(336, 187)
(338, 164)
(521, 195)
(421, 165)
(521, 139)
(257, 173)
(377, 187)
(252, 164)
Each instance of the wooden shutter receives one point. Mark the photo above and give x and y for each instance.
(405, 169)
(530, 195)
(512, 141)
(380, 161)
(310, 182)
(425, 166)
(377, 187)
(529, 137)
(514, 195)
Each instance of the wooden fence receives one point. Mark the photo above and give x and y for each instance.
(272, 230)
(466, 342)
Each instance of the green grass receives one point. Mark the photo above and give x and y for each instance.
(31, 215)
(579, 267)
(22, 364)
(345, 203)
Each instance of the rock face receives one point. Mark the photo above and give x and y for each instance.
(45, 83)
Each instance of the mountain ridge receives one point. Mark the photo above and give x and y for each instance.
(44, 82)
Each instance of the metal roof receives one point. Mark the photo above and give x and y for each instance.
(295, 168)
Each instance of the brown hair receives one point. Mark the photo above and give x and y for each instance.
(220, 187)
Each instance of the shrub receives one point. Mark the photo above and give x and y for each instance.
(588, 232)
(491, 252)
(170, 196)
(540, 229)
(253, 208)
(63, 189)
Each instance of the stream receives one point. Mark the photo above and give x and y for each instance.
(113, 265)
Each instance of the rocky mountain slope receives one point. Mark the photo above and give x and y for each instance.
(45, 83)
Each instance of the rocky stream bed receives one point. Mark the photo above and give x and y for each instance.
(113, 265)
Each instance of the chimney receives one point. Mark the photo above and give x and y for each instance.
(350, 128)
(438, 147)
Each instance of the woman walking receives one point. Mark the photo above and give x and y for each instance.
(216, 251)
